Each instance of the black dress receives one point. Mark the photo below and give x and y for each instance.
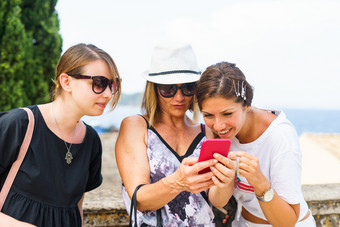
(46, 189)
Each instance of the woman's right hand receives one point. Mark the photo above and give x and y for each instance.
(224, 171)
(187, 178)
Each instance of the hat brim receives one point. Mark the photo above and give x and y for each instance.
(175, 78)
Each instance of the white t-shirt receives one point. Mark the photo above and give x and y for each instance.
(280, 158)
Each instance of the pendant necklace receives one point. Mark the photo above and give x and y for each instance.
(68, 156)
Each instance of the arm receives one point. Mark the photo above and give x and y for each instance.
(133, 165)
(278, 212)
(13, 125)
(7, 220)
(224, 175)
(80, 207)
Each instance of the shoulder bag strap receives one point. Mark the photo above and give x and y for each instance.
(133, 206)
(133, 210)
(16, 165)
(159, 218)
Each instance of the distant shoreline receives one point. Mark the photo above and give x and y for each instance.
(305, 121)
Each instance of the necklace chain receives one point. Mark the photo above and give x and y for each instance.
(68, 156)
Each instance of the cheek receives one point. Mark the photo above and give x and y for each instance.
(238, 122)
(208, 122)
(233, 121)
(188, 100)
(85, 95)
(162, 103)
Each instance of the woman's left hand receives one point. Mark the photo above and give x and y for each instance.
(224, 171)
(249, 167)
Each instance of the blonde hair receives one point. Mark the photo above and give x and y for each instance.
(76, 58)
(152, 108)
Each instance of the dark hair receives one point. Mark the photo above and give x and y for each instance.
(224, 79)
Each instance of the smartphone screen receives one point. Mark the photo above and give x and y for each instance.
(211, 146)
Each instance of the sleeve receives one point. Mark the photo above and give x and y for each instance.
(95, 177)
(286, 165)
(13, 126)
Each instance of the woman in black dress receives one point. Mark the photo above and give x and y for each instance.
(63, 160)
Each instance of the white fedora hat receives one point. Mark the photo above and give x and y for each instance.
(173, 63)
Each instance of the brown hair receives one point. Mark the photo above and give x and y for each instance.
(78, 56)
(151, 106)
(225, 80)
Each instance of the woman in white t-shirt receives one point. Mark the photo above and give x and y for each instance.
(267, 180)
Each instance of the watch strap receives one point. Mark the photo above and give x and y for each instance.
(262, 198)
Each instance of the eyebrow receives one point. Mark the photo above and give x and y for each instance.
(223, 111)
(230, 109)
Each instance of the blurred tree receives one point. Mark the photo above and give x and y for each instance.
(30, 46)
(13, 46)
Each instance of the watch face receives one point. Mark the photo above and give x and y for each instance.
(268, 196)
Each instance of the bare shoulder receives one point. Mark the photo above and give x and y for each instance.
(135, 122)
(262, 120)
(135, 126)
(267, 116)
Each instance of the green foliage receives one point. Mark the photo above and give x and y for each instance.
(30, 46)
(13, 42)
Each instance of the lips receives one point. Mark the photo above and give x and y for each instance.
(103, 105)
(224, 132)
(179, 106)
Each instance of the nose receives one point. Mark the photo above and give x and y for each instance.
(219, 124)
(179, 95)
(107, 92)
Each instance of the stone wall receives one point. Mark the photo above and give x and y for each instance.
(106, 208)
(324, 202)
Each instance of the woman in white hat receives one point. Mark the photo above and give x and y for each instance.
(159, 149)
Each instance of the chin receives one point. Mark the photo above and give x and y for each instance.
(95, 113)
(222, 136)
(179, 113)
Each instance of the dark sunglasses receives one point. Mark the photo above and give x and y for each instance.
(169, 90)
(99, 83)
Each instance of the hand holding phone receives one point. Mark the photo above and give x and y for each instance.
(211, 146)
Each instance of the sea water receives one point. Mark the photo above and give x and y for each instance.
(304, 120)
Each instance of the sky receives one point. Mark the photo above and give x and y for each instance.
(289, 50)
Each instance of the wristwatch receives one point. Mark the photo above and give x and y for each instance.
(267, 196)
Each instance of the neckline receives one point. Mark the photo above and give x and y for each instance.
(279, 118)
(51, 132)
(190, 149)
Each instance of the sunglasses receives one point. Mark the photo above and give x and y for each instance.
(99, 83)
(169, 90)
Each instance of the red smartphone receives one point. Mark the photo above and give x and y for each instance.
(211, 146)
